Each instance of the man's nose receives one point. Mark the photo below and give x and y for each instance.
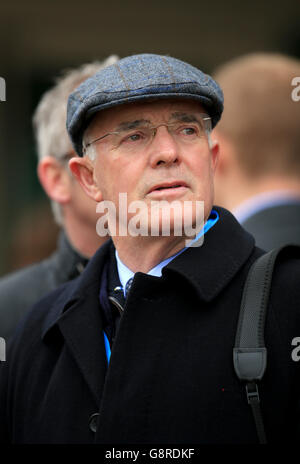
(163, 149)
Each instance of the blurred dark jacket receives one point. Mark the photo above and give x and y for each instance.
(21, 289)
(275, 226)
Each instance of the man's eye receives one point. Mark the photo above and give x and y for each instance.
(134, 137)
(189, 131)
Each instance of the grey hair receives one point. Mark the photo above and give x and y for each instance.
(49, 118)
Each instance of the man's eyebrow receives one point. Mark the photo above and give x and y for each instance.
(184, 117)
(127, 125)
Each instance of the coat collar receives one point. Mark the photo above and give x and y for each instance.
(78, 289)
(210, 267)
(68, 262)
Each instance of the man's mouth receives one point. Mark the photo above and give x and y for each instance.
(165, 186)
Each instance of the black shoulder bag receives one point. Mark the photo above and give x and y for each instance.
(250, 353)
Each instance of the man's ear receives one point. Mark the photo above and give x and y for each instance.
(55, 179)
(225, 149)
(83, 170)
(215, 152)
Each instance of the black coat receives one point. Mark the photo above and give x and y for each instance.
(21, 289)
(171, 376)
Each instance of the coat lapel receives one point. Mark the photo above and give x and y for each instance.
(77, 314)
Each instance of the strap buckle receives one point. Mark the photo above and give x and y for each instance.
(252, 393)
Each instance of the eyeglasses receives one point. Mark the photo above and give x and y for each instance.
(136, 139)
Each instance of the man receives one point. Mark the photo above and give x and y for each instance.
(88, 365)
(73, 211)
(258, 175)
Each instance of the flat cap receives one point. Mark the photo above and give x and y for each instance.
(139, 78)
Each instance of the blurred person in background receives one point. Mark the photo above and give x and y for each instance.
(73, 211)
(258, 174)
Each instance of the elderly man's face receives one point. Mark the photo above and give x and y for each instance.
(168, 168)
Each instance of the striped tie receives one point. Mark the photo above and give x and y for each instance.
(127, 286)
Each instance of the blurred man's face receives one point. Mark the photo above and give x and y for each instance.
(176, 165)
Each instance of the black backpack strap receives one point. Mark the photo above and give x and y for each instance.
(250, 353)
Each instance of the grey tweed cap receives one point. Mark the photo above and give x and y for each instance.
(139, 78)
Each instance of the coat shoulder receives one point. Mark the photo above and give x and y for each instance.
(285, 294)
(19, 290)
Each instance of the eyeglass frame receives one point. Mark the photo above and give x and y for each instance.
(206, 122)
